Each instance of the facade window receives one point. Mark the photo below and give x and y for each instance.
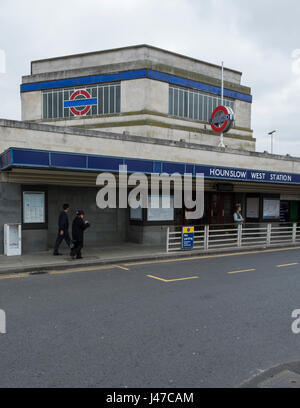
(160, 208)
(96, 100)
(193, 105)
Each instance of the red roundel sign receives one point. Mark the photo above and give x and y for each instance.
(222, 119)
(80, 102)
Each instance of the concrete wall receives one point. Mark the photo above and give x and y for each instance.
(242, 114)
(107, 226)
(199, 137)
(135, 53)
(31, 104)
(10, 207)
(20, 134)
(141, 94)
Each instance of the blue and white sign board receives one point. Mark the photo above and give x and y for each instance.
(188, 237)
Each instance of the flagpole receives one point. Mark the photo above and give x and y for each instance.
(221, 144)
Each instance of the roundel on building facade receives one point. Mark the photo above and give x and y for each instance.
(222, 119)
(80, 102)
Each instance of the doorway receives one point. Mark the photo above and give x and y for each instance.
(221, 208)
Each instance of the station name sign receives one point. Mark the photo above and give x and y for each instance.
(248, 175)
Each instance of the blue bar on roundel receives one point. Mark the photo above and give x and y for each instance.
(80, 102)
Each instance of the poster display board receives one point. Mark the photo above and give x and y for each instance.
(160, 208)
(271, 209)
(252, 207)
(33, 207)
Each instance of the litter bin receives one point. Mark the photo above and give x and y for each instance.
(12, 239)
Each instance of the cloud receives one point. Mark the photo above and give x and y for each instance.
(257, 38)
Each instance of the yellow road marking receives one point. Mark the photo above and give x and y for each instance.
(286, 265)
(66, 271)
(243, 271)
(93, 268)
(172, 280)
(14, 276)
(87, 269)
(195, 258)
(122, 267)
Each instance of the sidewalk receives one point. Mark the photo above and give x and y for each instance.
(42, 261)
(110, 254)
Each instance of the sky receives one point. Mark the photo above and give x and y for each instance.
(261, 38)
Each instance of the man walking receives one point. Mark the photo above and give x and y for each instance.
(63, 229)
(78, 227)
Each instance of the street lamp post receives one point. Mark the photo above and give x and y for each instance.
(271, 134)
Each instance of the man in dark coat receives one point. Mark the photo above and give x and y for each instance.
(63, 229)
(78, 227)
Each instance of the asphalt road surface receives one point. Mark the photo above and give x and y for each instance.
(204, 322)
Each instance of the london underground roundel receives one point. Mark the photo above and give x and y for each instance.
(222, 119)
(80, 102)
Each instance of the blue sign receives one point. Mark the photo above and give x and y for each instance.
(234, 174)
(188, 237)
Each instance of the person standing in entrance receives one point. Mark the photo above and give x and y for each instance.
(237, 216)
(63, 229)
(78, 227)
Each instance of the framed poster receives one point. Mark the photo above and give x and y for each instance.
(252, 207)
(34, 207)
(271, 209)
(160, 208)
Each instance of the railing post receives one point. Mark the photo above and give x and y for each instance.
(269, 233)
(206, 237)
(294, 232)
(168, 235)
(239, 235)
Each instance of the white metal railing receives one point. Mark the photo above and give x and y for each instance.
(260, 235)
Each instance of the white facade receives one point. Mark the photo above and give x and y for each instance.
(144, 102)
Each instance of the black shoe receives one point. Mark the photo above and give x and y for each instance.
(79, 257)
(56, 254)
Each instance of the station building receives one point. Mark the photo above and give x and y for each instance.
(146, 108)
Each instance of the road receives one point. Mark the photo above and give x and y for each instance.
(204, 322)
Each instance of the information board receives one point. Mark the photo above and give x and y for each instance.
(33, 207)
(271, 209)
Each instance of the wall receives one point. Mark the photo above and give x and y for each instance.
(107, 226)
(135, 53)
(141, 94)
(140, 234)
(10, 207)
(31, 103)
(35, 136)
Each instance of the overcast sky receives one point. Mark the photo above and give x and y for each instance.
(261, 38)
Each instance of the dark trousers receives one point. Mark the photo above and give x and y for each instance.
(76, 250)
(60, 239)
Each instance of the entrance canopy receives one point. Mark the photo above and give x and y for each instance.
(45, 159)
